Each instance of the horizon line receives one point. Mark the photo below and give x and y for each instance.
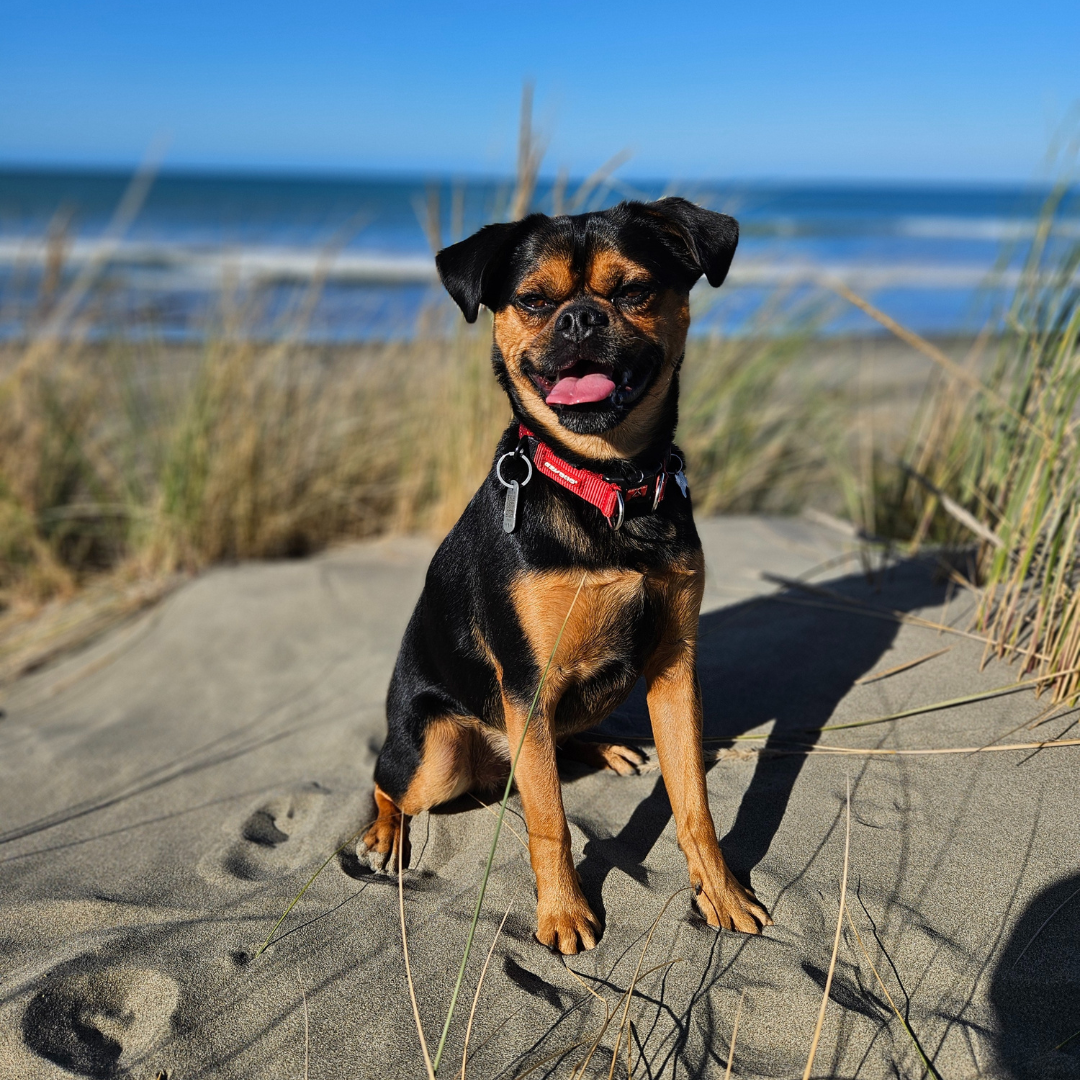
(338, 173)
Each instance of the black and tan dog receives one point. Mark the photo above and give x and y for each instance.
(591, 315)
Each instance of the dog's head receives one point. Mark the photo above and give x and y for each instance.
(591, 314)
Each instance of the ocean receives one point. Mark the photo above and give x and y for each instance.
(354, 254)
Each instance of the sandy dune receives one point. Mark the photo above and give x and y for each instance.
(165, 793)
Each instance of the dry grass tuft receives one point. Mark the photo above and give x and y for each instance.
(995, 460)
(153, 459)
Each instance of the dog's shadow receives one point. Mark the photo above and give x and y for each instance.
(1035, 988)
(790, 659)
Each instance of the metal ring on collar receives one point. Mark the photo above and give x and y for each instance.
(682, 464)
(617, 523)
(661, 484)
(528, 465)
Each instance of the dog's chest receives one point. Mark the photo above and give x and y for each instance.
(597, 628)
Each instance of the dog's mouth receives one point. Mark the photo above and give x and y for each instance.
(587, 382)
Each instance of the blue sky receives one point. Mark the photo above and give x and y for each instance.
(869, 90)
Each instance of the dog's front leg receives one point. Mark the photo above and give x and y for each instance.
(674, 698)
(564, 920)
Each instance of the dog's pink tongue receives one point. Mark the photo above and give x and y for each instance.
(571, 391)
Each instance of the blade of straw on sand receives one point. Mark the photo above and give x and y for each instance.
(877, 675)
(836, 941)
(498, 828)
(584, 1064)
(588, 1038)
(634, 981)
(1043, 717)
(892, 1004)
(967, 699)
(858, 607)
(949, 703)
(734, 1033)
(552, 1057)
(581, 1042)
(405, 948)
(652, 930)
(495, 813)
(813, 748)
(853, 607)
(296, 899)
(626, 1023)
(1064, 1042)
(476, 996)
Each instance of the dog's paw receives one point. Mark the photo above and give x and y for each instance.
(723, 902)
(625, 760)
(568, 926)
(378, 848)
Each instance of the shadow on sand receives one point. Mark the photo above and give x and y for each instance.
(790, 659)
(1035, 989)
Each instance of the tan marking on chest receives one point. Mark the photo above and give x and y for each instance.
(603, 618)
(605, 608)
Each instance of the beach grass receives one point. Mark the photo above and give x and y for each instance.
(142, 458)
(994, 463)
(131, 457)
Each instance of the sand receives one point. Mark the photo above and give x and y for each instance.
(166, 792)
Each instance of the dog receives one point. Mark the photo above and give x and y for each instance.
(583, 535)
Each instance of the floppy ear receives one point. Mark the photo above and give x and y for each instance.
(464, 266)
(710, 237)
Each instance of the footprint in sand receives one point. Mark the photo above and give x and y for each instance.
(272, 835)
(101, 1022)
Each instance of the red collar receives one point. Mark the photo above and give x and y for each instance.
(613, 499)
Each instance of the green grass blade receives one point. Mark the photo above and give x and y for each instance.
(498, 829)
(296, 899)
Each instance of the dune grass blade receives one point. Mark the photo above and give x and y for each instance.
(853, 607)
(814, 748)
(479, 985)
(495, 813)
(877, 676)
(966, 699)
(584, 1064)
(734, 1035)
(1065, 1042)
(836, 942)
(405, 948)
(498, 828)
(919, 710)
(892, 1004)
(633, 983)
(307, 884)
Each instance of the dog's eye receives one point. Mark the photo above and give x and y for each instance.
(535, 303)
(636, 293)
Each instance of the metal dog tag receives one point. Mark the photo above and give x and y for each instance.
(680, 479)
(510, 507)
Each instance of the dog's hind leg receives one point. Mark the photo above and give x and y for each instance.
(447, 769)
(625, 760)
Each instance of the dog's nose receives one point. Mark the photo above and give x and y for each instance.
(578, 321)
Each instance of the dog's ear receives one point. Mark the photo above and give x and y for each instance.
(468, 269)
(710, 238)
